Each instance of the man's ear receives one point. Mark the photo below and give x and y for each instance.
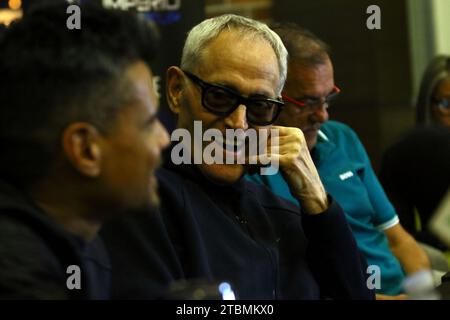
(81, 145)
(174, 88)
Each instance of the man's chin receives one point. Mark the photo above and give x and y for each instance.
(150, 202)
(222, 173)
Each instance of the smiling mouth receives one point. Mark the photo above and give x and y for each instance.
(231, 146)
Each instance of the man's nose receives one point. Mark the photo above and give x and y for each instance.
(163, 134)
(237, 119)
(320, 114)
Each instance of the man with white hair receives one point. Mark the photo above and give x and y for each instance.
(215, 225)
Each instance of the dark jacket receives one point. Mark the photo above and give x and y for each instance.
(35, 253)
(242, 234)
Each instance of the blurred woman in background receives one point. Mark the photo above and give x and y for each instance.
(415, 172)
(434, 95)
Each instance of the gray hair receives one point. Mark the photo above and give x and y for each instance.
(303, 45)
(209, 29)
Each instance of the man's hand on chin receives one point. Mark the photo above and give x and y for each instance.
(298, 169)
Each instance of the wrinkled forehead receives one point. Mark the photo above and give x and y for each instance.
(234, 40)
(233, 48)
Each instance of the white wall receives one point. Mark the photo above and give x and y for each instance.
(429, 34)
(441, 21)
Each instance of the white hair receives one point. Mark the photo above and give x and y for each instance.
(209, 29)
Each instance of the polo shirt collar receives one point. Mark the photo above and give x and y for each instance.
(323, 147)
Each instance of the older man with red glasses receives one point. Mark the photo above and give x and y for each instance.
(343, 164)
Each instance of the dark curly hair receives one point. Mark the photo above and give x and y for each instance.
(437, 70)
(52, 76)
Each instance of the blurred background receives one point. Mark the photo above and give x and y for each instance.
(378, 70)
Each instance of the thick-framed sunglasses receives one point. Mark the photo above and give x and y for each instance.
(309, 104)
(222, 101)
(443, 104)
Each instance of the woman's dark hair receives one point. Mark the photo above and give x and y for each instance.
(438, 69)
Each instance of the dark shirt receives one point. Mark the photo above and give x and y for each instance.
(240, 233)
(35, 253)
(415, 174)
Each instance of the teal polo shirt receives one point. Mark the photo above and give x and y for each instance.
(346, 173)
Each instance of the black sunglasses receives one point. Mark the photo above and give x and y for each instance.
(222, 101)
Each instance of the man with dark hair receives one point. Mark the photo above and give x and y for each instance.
(80, 142)
(342, 163)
